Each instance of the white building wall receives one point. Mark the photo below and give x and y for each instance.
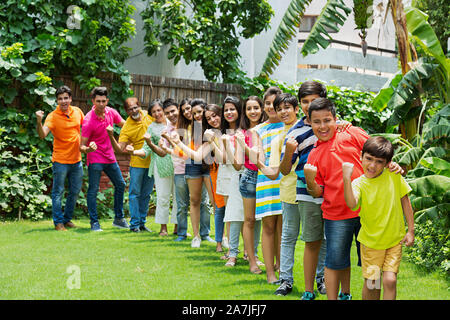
(254, 51)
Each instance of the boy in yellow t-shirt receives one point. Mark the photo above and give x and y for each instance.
(383, 199)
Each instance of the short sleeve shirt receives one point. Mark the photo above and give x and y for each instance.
(65, 128)
(381, 212)
(328, 156)
(164, 165)
(94, 129)
(133, 132)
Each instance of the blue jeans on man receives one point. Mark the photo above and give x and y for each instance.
(74, 174)
(182, 198)
(113, 172)
(140, 189)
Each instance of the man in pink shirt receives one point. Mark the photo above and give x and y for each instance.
(96, 144)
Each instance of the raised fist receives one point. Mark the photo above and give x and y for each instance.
(347, 170)
(39, 115)
(92, 146)
(110, 129)
(291, 145)
(310, 172)
(129, 149)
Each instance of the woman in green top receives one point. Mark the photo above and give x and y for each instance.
(161, 167)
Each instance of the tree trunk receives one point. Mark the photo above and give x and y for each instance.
(408, 129)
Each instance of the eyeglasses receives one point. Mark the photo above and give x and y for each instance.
(132, 108)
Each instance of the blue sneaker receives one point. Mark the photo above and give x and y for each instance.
(308, 295)
(96, 227)
(344, 296)
(121, 223)
(180, 238)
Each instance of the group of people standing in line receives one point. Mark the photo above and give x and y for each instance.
(255, 162)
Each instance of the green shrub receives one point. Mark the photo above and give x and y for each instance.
(22, 187)
(431, 249)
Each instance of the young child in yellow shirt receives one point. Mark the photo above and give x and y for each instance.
(383, 199)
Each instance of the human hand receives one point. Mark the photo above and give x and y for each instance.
(147, 136)
(347, 170)
(408, 239)
(343, 125)
(240, 138)
(175, 137)
(395, 167)
(92, 147)
(310, 172)
(129, 149)
(209, 135)
(291, 145)
(39, 115)
(110, 130)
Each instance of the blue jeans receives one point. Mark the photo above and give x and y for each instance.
(339, 234)
(182, 198)
(74, 174)
(218, 223)
(289, 235)
(113, 172)
(141, 187)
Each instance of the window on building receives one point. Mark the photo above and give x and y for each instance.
(308, 22)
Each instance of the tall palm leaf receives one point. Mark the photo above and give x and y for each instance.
(333, 16)
(287, 30)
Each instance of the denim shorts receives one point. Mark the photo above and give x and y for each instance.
(247, 183)
(339, 235)
(194, 171)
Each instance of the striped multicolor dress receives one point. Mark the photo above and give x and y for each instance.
(268, 201)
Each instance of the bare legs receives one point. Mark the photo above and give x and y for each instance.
(271, 239)
(249, 232)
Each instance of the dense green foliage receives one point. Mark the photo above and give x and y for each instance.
(352, 105)
(205, 31)
(39, 41)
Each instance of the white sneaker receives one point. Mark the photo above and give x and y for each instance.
(196, 242)
(225, 243)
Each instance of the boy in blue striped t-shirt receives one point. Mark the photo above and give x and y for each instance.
(299, 141)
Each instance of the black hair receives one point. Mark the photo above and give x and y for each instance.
(379, 147)
(238, 105)
(213, 108)
(245, 122)
(63, 89)
(285, 98)
(322, 104)
(194, 103)
(183, 122)
(271, 91)
(312, 87)
(99, 91)
(169, 102)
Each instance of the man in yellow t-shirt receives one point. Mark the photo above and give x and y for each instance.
(64, 123)
(383, 199)
(141, 185)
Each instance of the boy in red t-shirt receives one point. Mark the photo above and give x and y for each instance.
(323, 175)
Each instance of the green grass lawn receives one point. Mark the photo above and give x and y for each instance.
(36, 262)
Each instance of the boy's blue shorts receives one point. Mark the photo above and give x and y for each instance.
(339, 235)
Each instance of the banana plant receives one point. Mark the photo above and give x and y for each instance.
(287, 30)
(428, 156)
(333, 16)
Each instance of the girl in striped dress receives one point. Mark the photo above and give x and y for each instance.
(268, 203)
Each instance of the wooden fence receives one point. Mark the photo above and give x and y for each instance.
(147, 88)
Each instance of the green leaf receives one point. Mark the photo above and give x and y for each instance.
(284, 34)
(430, 185)
(335, 11)
(439, 166)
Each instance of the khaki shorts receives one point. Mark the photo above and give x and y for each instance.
(374, 261)
(312, 221)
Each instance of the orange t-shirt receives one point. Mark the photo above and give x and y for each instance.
(328, 157)
(65, 128)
